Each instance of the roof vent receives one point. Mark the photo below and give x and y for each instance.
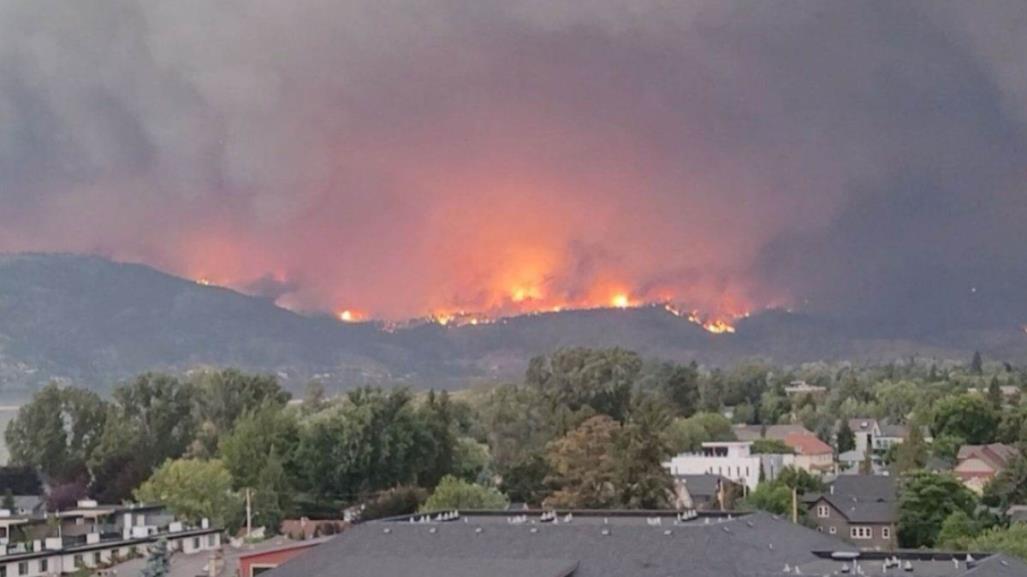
(846, 569)
(726, 529)
(568, 518)
(908, 568)
(668, 532)
(534, 530)
(433, 530)
(478, 530)
(387, 530)
(605, 532)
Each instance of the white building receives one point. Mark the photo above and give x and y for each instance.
(733, 460)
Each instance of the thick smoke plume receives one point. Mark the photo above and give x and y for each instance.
(396, 158)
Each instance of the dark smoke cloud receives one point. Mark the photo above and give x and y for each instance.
(861, 159)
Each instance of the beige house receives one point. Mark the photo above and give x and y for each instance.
(977, 465)
(811, 454)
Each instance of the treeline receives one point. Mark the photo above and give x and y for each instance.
(584, 428)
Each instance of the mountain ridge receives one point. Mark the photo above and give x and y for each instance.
(94, 322)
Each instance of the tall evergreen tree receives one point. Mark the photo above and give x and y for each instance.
(158, 564)
(846, 438)
(977, 364)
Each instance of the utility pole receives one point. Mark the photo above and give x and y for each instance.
(249, 514)
(795, 504)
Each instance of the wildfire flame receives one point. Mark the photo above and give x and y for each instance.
(348, 316)
(620, 301)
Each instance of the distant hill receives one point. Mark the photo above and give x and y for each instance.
(95, 322)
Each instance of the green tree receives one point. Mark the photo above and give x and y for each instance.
(995, 394)
(957, 531)
(1009, 487)
(925, 501)
(1011, 540)
(641, 449)
(193, 490)
(256, 435)
(677, 384)
(158, 563)
(8, 502)
(582, 466)
(967, 417)
(846, 440)
(688, 435)
(150, 421)
(457, 494)
(271, 494)
(977, 364)
(911, 454)
(57, 432)
(224, 396)
(600, 379)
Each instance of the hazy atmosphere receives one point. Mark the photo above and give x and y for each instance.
(395, 159)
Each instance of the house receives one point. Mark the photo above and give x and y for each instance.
(802, 388)
(862, 509)
(92, 536)
(273, 554)
(614, 544)
(977, 465)
(1017, 514)
(896, 434)
(811, 454)
(864, 431)
(705, 492)
(307, 528)
(733, 460)
(775, 432)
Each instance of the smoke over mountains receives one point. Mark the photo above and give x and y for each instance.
(857, 161)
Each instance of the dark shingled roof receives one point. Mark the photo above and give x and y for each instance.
(740, 547)
(620, 545)
(865, 487)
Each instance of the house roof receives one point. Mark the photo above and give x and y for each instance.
(757, 432)
(857, 511)
(862, 425)
(997, 455)
(628, 545)
(807, 444)
(625, 544)
(1017, 513)
(866, 487)
(702, 485)
(895, 431)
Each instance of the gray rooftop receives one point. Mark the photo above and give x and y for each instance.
(865, 487)
(596, 545)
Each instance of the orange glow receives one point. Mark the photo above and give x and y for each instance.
(718, 327)
(348, 316)
(204, 281)
(620, 301)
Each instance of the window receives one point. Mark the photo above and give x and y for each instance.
(96, 558)
(258, 569)
(823, 511)
(78, 560)
(860, 532)
(44, 565)
(196, 542)
(3, 570)
(833, 530)
(211, 540)
(886, 532)
(23, 568)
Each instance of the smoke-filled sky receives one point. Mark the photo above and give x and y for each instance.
(397, 158)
